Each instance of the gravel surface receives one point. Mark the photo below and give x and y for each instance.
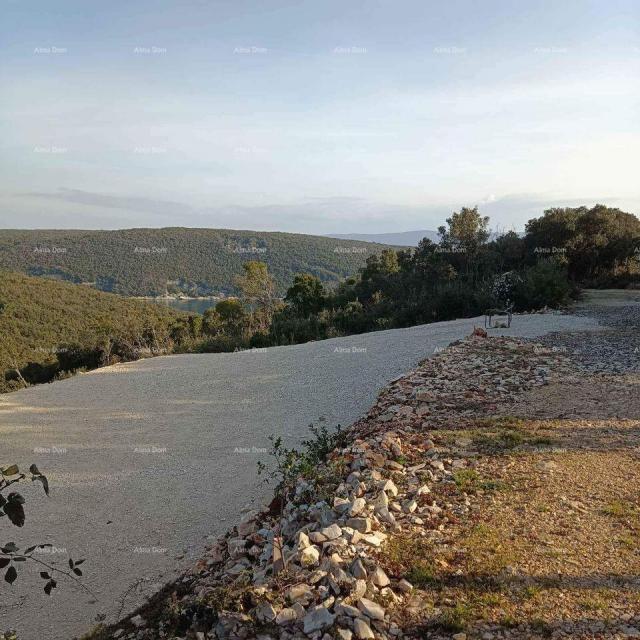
(615, 349)
(149, 458)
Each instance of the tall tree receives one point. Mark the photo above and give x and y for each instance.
(463, 237)
(258, 290)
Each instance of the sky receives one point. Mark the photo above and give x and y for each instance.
(315, 116)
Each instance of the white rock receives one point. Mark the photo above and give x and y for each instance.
(386, 516)
(380, 578)
(303, 540)
(247, 526)
(362, 629)
(375, 539)
(286, 615)
(381, 501)
(388, 486)
(363, 525)
(357, 506)
(318, 619)
(410, 506)
(316, 576)
(359, 589)
(405, 586)
(331, 532)
(265, 612)
(138, 621)
(347, 610)
(317, 538)
(299, 593)
(371, 609)
(344, 634)
(310, 556)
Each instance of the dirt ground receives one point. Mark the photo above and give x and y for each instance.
(553, 546)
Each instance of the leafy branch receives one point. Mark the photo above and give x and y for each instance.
(12, 506)
(10, 554)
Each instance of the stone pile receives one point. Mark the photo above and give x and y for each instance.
(466, 381)
(314, 568)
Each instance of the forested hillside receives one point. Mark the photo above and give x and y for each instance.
(49, 327)
(152, 262)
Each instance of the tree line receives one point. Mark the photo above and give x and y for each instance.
(461, 275)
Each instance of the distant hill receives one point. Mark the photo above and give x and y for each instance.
(152, 262)
(401, 239)
(38, 315)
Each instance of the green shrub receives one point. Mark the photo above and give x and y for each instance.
(544, 284)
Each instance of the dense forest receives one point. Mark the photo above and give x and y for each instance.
(48, 328)
(194, 262)
(462, 275)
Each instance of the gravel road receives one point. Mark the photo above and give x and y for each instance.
(149, 458)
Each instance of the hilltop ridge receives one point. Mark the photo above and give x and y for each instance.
(179, 260)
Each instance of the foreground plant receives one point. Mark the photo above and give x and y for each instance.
(12, 507)
(291, 464)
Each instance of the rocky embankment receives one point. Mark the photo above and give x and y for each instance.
(341, 558)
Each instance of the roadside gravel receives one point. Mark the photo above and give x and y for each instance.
(613, 350)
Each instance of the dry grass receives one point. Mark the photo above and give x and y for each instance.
(562, 544)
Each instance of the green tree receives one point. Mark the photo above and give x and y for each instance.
(258, 289)
(306, 295)
(227, 318)
(256, 284)
(463, 238)
(195, 325)
(597, 245)
(466, 230)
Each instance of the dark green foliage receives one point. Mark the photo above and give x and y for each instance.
(152, 262)
(306, 295)
(291, 463)
(50, 327)
(599, 246)
(543, 284)
(465, 274)
(323, 442)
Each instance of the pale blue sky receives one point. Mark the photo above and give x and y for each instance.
(316, 116)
